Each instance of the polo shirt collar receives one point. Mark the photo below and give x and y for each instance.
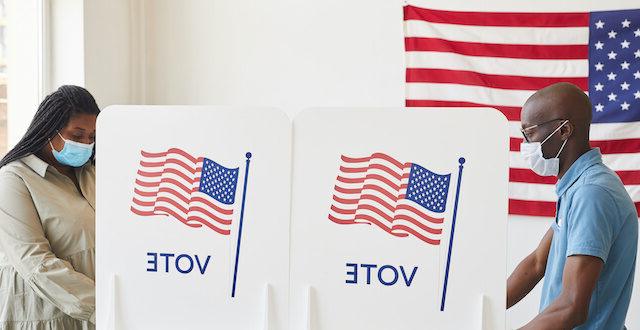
(36, 164)
(581, 164)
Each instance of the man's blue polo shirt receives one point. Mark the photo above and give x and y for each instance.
(596, 217)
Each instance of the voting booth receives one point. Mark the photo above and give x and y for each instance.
(241, 218)
(175, 186)
(399, 219)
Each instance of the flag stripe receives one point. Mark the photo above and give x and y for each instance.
(541, 52)
(512, 113)
(189, 222)
(508, 35)
(488, 80)
(168, 181)
(185, 211)
(606, 147)
(598, 131)
(376, 155)
(208, 213)
(497, 19)
(616, 162)
(417, 234)
(169, 152)
(532, 208)
(415, 222)
(187, 203)
(188, 167)
(381, 167)
(526, 175)
(547, 192)
(539, 208)
(499, 65)
(166, 171)
(350, 180)
(468, 93)
(373, 220)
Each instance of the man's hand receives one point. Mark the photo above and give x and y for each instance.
(571, 307)
(529, 272)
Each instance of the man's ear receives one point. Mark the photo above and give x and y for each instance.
(566, 131)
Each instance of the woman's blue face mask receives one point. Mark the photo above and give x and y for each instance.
(74, 154)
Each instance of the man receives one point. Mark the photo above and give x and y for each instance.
(588, 255)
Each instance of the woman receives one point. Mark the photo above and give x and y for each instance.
(47, 218)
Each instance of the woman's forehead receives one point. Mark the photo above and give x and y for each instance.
(82, 121)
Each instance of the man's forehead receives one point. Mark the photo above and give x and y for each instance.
(534, 113)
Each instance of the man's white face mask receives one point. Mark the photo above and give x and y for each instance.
(532, 154)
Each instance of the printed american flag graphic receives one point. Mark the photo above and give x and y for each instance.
(196, 191)
(498, 59)
(402, 199)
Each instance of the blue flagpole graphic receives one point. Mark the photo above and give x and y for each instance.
(461, 160)
(244, 195)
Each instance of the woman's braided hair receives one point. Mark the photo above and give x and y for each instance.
(53, 114)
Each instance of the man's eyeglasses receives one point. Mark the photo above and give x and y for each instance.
(527, 130)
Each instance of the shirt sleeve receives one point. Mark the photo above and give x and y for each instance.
(591, 222)
(23, 241)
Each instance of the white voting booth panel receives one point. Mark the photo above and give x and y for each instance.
(170, 201)
(196, 205)
(363, 254)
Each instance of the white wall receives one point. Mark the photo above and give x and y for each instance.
(109, 56)
(294, 54)
(286, 53)
(90, 46)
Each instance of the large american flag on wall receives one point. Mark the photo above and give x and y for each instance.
(466, 59)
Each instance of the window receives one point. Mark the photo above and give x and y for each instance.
(3, 80)
(22, 66)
